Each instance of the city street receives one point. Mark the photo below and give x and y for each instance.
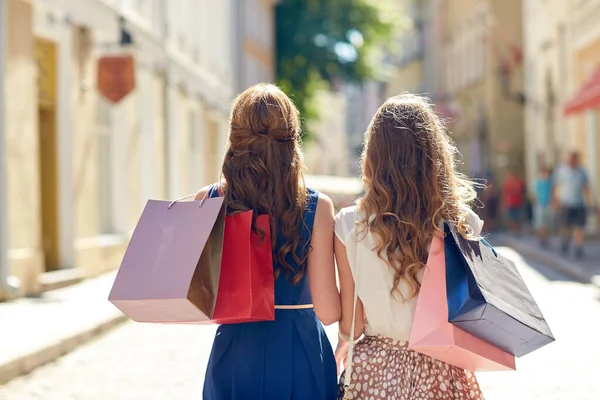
(153, 362)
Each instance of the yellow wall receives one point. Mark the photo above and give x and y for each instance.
(23, 202)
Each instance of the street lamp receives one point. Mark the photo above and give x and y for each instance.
(126, 39)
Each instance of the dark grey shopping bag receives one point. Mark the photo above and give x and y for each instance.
(488, 298)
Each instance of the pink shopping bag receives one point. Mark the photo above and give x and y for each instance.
(434, 336)
(170, 271)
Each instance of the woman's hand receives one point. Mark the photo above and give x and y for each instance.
(341, 353)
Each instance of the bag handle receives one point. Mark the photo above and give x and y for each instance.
(485, 242)
(348, 376)
(208, 192)
(186, 197)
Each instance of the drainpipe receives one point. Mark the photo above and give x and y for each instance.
(9, 285)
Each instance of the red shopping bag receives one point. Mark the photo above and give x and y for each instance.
(246, 290)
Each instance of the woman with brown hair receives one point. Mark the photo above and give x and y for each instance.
(290, 357)
(382, 245)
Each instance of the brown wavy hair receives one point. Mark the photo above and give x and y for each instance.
(411, 185)
(263, 167)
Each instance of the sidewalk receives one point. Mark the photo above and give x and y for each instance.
(585, 270)
(35, 331)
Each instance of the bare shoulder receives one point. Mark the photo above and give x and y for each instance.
(202, 193)
(324, 212)
(324, 202)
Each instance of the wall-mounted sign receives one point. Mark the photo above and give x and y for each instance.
(45, 57)
(116, 77)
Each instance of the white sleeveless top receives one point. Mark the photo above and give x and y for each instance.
(385, 314)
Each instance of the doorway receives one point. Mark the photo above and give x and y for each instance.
(48, 161)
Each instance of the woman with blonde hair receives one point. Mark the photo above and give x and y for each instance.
(381, 247)
(290, 357)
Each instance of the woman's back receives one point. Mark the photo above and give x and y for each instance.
(385, 314)
(287, 292)
(289, 357)
(412, 186)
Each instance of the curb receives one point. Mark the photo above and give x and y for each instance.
(554, 261)
(27, 363)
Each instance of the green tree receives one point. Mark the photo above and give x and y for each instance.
(319, 40)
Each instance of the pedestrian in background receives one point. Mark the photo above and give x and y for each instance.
(491, 203)
(572, 197)
(290, 357)
(543, 206)
(513, 194)
(382, 245)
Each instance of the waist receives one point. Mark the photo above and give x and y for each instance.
(293, 306)
(384, 342)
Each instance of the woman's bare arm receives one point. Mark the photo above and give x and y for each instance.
(321, 265)
(347, 294)
(202, 193)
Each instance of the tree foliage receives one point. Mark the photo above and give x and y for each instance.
(320, 40)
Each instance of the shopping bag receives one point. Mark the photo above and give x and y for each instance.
(171, 268)
(247, 285)
(488, 298)
(434, 336)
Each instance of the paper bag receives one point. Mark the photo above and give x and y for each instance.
(434, 336)
(488, 298)
(247, 285)
(170, 271)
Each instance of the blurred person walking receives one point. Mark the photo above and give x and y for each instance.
(491, 203)
(543, 205)
(513, 194)
(382, 245)
(572, 197)
(290, 357)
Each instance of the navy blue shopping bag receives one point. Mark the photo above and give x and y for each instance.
(488, 298)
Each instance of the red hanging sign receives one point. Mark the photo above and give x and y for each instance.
(116, 77)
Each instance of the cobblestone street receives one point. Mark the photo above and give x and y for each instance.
(153, 362)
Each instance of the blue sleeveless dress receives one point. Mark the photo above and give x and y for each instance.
(288, 358)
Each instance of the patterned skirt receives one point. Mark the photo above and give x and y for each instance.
(384, 368)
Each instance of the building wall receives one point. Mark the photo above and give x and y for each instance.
(548, 84)
(585, 126)
(326, 153)
(362, 100)
(25, 254)
(408, 50)
(73, 207)
(257, 42)
(477, 36)
(562, 51)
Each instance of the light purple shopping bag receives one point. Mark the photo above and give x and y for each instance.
(170, 271)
